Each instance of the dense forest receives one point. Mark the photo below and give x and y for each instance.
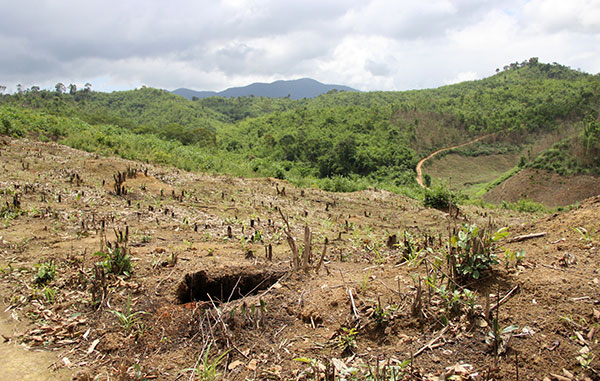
(339, 141)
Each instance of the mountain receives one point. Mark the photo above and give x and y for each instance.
(296, 89)
(187, 93)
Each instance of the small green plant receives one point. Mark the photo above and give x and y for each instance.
(128, 319)
(472, 251)
(257, 237)
(388, 372)
(347, 340)
(10, 212)
(364, 284)
(116, 260)
(382, 315)
(314, 365)
(498, 337)
(585, 234)
(6, 270)
(49, 294)
(45, 294)
(44, 272)
(205, 369)
(585, 360)
(513, 256)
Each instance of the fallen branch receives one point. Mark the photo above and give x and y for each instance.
(504, 298)
(354, 310)
(430, 344)
(526, 237)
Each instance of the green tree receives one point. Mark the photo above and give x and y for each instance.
(427, 180)
(60, 88)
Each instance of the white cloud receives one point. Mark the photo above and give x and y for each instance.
(462, 77)
(212, 45)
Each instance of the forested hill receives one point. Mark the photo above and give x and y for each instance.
(294, 89)
(360, 138)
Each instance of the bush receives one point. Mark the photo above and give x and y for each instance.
(116, 260)
(427, 180)
(472, 251)
(439, 197)
(45, 272)
(342, 184)
(525, 206)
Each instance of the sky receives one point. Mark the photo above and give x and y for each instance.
(214, 45)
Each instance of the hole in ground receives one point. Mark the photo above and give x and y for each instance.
(201, 286)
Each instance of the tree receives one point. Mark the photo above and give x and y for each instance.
(72, 89)
(427, 180)
(60, 88)
(87, 87)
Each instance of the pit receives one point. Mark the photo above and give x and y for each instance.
(201, 286)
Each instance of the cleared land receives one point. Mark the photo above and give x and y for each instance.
(201, 275)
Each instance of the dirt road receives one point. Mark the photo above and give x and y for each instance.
(420, 164)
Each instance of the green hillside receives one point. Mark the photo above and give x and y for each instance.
(340, 140)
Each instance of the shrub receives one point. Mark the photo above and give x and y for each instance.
(427, 180)
(45, 272)
(116, 260)
(439, 197)
(472, 251)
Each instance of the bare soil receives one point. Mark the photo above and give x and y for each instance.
(433, 154)
(468, 174)
(202, 284)
(545, 187)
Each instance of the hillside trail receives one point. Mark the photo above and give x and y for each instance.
(420, 163)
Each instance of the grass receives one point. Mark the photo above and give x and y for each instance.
(127, 318)
(205, 369)
(468, 174)
(484, 188)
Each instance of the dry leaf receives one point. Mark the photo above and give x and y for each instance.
(67, 362)
(252, 364)
(93, 346)
(567, 373)
(235, 364)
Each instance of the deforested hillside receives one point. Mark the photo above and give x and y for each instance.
(131, 270)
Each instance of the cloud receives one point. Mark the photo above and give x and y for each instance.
(212, 45)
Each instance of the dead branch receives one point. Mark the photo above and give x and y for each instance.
(504, 298)
(354, 310)
(307, 248)
(526, 237)
(291, 241)
(432, 342)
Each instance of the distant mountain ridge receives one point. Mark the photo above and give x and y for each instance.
(296, 89)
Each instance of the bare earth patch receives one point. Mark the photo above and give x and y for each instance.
(212, 275)
(545, 187)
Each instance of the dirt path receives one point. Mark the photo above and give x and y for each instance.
(420, 164)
